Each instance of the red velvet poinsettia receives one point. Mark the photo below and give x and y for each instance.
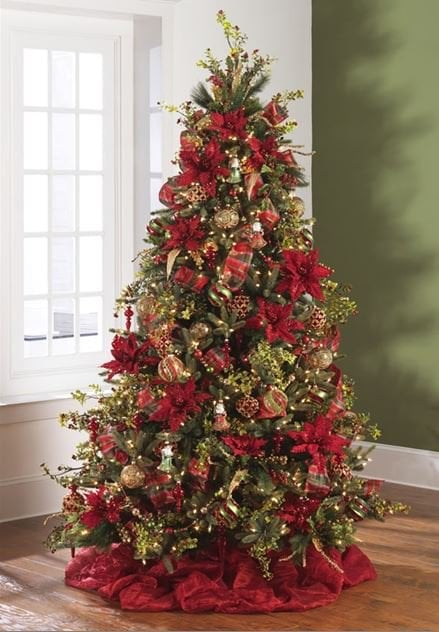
(301, 272)
(245, 445)
(202, 165)
(101, 509)
(265, 150)
(230, 124)
(276, 320)
(296, 511)
(180, 401)
(186, 232)
(129, 355)
(317, 439)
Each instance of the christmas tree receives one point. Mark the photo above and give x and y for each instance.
(227, 433)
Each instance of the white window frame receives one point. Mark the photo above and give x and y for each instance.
(23, 380)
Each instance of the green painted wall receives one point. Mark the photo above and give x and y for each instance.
(375, 196)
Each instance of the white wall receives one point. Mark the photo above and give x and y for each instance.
(29, 435)
(281, 28)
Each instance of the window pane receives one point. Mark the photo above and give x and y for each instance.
(35, 202)
(63, 141)
(63, 79)
(155, 184)
(90, 203)
(90, 324)
(90, 142)
(35, 140)
(63, 203)
(63, 326)
(90, 81)
(155, 78)
(35, 77)
(90, 264)
(35, 265)
(63, 264)
(35, 328)
(155, 142)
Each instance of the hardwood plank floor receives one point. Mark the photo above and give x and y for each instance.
(405, 551)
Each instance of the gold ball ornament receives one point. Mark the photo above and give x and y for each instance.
(226, 218)
(146, 306)
(247, 406)
(298, 205)
(199, 331)
(132, 476)
(320, 359)
(317, 321)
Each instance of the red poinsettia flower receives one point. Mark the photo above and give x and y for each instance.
(301, 272)
(101, 509)
(230, 124)
(276, 320)
(245, 445)
(186, 232)
(202, 165)
(318, 440)
(179, 401)
(129, 355)
(265, 150)
(296, 511)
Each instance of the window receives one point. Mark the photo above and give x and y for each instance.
(67, 173)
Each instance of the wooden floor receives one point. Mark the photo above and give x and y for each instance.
(405, 551)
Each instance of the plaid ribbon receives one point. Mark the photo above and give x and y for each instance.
(336, 407)
(217, 359)
(269, 216)
(191, 279)
(372, 485)
(317, 480)
(236, 265)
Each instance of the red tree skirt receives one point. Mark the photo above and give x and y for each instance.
(203, 582)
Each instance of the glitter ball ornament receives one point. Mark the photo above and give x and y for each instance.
(320, 359)
(317, 320)
(170, 368)
(196, 194)
(72, 502)
(240, 305)
(226, 218)
(298, 205)
(199, 331)
(247, 406)
(145, 306)
(132, 476)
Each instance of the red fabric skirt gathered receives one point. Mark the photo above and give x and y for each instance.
(230, 583)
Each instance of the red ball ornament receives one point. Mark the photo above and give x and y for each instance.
(198, 354)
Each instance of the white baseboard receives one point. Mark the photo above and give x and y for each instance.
(406, 466)
(29, 496)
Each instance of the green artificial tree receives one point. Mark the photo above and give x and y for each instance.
(228, 421)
